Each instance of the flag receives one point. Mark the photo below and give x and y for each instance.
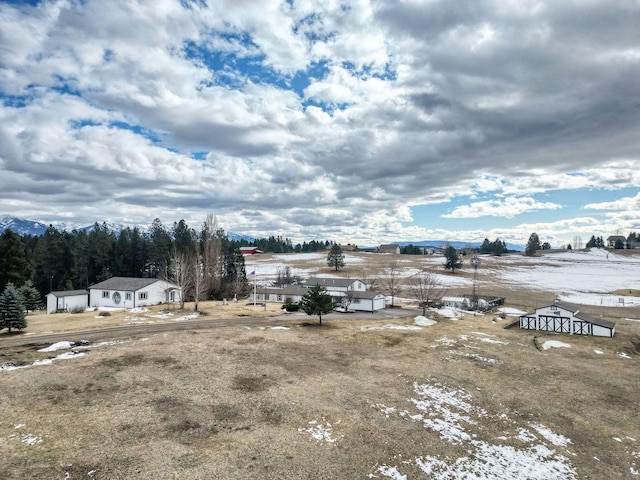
(251, 276)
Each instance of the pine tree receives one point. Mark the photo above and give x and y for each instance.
(11, 310)
(317, 302)
(452, 259)
(30, 296)
(533, 245)
(335, 257)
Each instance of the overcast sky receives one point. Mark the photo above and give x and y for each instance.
(357, 121)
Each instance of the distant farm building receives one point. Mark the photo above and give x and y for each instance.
(389, 248)
(67, 301)
(564, 318)
(250, 250)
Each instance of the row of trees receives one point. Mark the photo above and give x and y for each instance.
(61, 260)
(73, 260)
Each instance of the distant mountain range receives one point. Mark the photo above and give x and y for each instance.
(32, 227)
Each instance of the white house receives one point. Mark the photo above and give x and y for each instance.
(290, 293)
(564, 318)
(131, 292)
(349, 292)
(337, 285)
(67, 300)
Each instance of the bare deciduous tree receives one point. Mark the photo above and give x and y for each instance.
(179, 272)
(198, 278)
(427, 289)
(391, 280)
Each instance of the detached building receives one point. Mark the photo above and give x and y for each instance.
(564, 318)
(67, 301)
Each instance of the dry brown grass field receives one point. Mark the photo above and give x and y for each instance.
(355, 398)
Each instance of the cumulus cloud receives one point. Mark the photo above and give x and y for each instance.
(508, 207)
(316, 119)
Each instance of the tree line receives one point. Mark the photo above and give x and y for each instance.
(61, 260)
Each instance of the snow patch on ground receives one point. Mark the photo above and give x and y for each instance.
(448, 312)
(391, 326)
(599, 352)
(448, 411)
(322, 431)
(423, 321)
(57, 346)
(554, 344)
(511, 312)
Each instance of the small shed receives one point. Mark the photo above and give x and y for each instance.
(565, 318)
(67, 301)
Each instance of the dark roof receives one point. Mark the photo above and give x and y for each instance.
(595, 320)
(128, 284)
(616, 237)
(366, 295)
(288, 290)
(330, 282)
(69, 293)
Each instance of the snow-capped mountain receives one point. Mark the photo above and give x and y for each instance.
(22, 226)
(31, 227)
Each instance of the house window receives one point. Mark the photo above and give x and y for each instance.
(279, 298)
(105, 294)
(127, 296)
(142, 296)
(356, 300)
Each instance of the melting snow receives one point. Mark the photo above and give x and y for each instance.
(424, 321)
(554, 344)
(321, 432)
(57, 346)
(448, 411)
(391, 326)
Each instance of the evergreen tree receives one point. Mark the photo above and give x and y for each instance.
(30, 296)
(533, 245)
(335, 257)
(11, 310)
(317, 302)
(452, 259)
(14, 267)
(592, 242)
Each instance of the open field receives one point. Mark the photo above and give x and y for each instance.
(376, 397)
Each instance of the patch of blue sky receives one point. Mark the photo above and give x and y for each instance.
(199, 155)
(22, 2)
(66, 86)
(151, 135)
(312, 29)
(243, 62)
(15, 101)
(370, 71)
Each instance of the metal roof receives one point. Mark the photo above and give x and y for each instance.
(127, 284)
(68, 293)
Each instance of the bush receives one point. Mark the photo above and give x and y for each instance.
(291, 307)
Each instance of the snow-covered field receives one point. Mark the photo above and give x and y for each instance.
(580, 277)
(585, 277)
